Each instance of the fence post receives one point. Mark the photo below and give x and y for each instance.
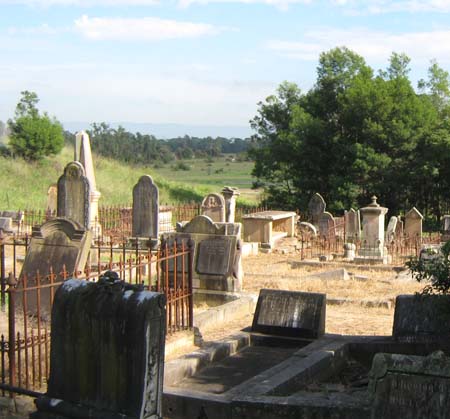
(12, 331)
(2, 272)
(191, 295)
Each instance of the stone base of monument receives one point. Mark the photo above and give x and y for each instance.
(372, 256)
(143, 243)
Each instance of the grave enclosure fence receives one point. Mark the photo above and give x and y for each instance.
(26, 304)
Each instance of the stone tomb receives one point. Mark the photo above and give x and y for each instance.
(422, 318)
(213, 206)
(145, 208)
(107, 352)
(217, 255)
(410, 387)
(267, 227)
(316, 207)
(290, 313)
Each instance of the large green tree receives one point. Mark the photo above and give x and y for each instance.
(34, 135)
(354, 134)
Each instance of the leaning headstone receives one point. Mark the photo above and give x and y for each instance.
(230, 194)
(413, 224)
(73, 195)
(145, 208)
(411, 387)
(422, 318)
(391, 232)
(213, 206)
(52, 199)
(59, 244)
(290, 313)
(107, 352)
(327, 226)
(316, 208)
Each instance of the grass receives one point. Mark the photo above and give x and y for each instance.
(24, 184)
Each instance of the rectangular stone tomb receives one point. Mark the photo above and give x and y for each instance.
(107, 352)
(290, 314)
(422, 318)
(410, 387)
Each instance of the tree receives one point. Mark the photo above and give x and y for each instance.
(33, 136)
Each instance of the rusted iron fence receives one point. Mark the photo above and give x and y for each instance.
(26, 304)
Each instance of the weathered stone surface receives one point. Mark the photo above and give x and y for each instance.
(230, 194)
(213, 206)
(73, 195)
(16, 216)
(422, 318)
(446, 223)
(145, 208)
(413, 224)
(316, 207)
(352, 225)
(290, 313)
(391, 231)
(410, 387)
(107, 352)
(52, 198)
(327, 225)
(213, 257)
(6, 224)
(306, 230)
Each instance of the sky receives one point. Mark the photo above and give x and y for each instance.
(196, 62)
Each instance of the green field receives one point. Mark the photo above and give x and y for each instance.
(24, 185)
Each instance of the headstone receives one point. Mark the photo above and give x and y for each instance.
(230, 194)
(6, 224)
(83, 155)
(327, 226)
(410, 387)
(145, 208)
(73, 195)
(107, 352)
(391, 232)
(213, 257)
(422, 318)
(290, 313)
(399, 229)
(372, 245)
(59, 244)
(352, 225)
(52, 199)
(17, 217)
(213, 206)
(306, 230)
(413, 224)
(316, 208)
(446, 224)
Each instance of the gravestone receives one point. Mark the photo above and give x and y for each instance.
(213, 257)
(58, 244)
(391, 232)
(230, 194)
(327, 226)
(422, 318)
(52, 199)
(399, 229)
(446, 224)
(413, 224)
(352, 225)
(213, 206)
(290, 313)
(316, 207)
(410, 387)
(107, 352)
(306, 230)
(17, 217)
(145, 208)
(6, 224)
(73, 195)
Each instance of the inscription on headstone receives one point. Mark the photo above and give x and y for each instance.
(290, 313)
(213, 256)
(213, 206)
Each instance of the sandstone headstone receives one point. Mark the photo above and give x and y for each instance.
(422, 318)
(413, 224)
(446, 224)
(107, 352)
(213, 257)
(290, 313)
(410, 387)
(352, 225)
(316, 207)
(213, 206)
(306, 230)
(145, 208)
(230, 194)
(391, 232)
(73, 195)
(52, 199)
(327, 226)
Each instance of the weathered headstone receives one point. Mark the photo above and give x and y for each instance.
(391, 232)
(327, 226)
(59, 244)
(73, 195)
(145, 208)
(446, 224)
(410, 387)
(305, 229)
(52, 199)
(290, 313)
(422, 318)
(230, 194)
(413, 224)
(107, 352)
(316, 208)
(213, 206)
(352, 225)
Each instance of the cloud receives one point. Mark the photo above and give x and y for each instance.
(81, 3)
(393, 6)
(140, 29)
(376, 46)
(281, 4)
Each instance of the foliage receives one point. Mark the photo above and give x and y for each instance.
(33, 136)
(355, 134)
(435, 269)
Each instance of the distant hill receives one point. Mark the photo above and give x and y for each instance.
(163, 131)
